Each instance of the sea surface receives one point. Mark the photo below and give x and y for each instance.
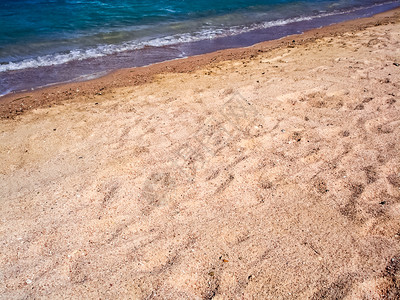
(43, 42)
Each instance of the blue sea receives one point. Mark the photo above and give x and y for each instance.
(43, 42)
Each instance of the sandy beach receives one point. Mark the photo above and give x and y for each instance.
(270, 172)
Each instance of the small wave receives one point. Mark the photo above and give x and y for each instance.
(3, 93)
(104, 50)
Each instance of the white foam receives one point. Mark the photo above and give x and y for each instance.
(5, 92)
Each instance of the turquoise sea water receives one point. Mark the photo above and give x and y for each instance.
(35, 34)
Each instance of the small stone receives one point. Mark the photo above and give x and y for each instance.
(391, 101)
(359, 107)
(28, 281)
(369, 99)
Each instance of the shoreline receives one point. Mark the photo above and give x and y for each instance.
(17, 103)
(77, 70)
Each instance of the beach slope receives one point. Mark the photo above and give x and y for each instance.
(271, 176)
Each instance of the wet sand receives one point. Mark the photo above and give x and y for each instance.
(271, 172)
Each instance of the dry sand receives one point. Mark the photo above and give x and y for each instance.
(273, 176)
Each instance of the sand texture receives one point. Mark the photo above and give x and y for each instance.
(272, 176)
